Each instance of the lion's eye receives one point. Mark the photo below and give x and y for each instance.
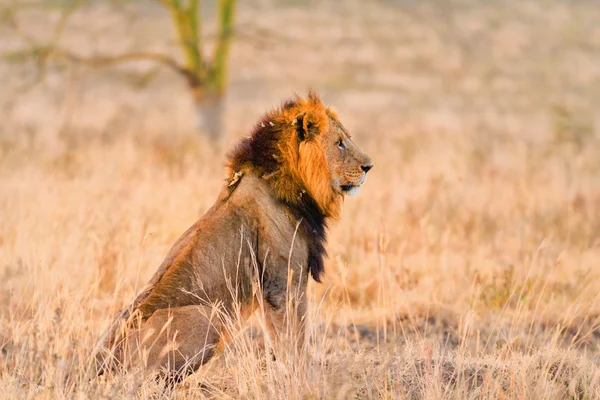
(341, 144)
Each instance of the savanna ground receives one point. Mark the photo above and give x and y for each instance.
(466, 268)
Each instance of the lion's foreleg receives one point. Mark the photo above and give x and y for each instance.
(285, 322)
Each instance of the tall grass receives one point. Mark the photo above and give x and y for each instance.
(466, 267)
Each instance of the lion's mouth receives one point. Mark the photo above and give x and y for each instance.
(350, 190)
(353, 188)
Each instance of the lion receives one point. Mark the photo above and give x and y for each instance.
(267, 228)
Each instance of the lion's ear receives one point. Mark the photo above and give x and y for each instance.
(306, 126)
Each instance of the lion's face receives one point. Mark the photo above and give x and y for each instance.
(329, 163)
(348, 165)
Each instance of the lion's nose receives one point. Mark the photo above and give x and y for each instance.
(366, 168)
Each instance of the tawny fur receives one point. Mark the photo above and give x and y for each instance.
(267, 228)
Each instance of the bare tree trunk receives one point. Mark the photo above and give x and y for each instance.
(206, 76)
(210, 109)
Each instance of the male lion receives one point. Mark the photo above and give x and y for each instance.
(266, 230)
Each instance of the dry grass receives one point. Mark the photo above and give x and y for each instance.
(466, 268)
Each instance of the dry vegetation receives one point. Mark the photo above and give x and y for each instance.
(466, 268)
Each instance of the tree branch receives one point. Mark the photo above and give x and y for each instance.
(186, 22)
(64, 19)
(221, 51)
(103, 61)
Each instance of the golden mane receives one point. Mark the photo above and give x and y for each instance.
(285, 150)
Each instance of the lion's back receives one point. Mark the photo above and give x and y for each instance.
(217, 252)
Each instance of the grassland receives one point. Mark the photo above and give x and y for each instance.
(468, 267)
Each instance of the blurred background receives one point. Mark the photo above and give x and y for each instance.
(475, 238)
(103, 68)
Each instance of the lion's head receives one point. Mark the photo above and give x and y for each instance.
(302, 149)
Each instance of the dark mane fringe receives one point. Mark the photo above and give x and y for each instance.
(314, 226)
(261, 151)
